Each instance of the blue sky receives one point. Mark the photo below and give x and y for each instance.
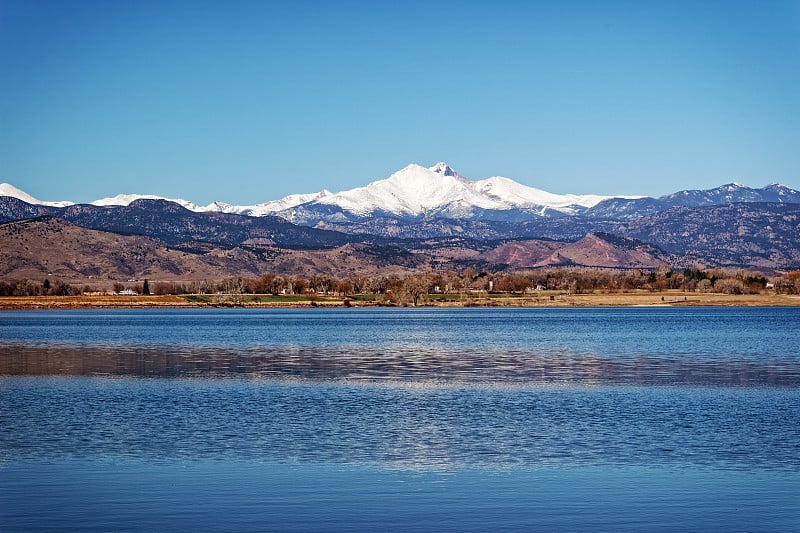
(247, 102)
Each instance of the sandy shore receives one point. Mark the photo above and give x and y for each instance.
(669, 298)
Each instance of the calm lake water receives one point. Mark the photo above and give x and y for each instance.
(401, 419)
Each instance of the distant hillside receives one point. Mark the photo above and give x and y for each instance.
(594, 250)
(43, 247)
(175, 224)
(765, 235)
(608, 251)
(46, 246)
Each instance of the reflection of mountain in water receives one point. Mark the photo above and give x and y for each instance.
(404, 364)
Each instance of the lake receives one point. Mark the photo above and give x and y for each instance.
(422, 419)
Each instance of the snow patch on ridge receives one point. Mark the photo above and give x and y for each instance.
(127, 199)
(522, 196)
(6, 189)
(287, 202)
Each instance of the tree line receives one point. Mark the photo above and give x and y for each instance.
(415, 287)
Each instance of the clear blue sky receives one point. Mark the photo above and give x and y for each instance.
(247, 102)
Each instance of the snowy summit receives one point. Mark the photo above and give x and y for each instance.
(440, 190)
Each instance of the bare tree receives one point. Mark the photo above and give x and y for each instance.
(416, 288)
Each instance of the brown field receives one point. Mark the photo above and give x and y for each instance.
(93, 301)
(646, 298)
(643, 298)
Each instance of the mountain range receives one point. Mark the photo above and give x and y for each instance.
(416, 193)
(417, 218)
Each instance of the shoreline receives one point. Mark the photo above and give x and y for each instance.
(632, 299)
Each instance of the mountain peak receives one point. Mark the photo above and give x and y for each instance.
(414, 190)
(444, 169)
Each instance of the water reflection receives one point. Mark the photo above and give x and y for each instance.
(407, 428)
(399, 364)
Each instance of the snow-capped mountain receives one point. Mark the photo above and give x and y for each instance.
(416, 191)
(419, 193)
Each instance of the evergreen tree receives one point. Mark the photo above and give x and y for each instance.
(146, 287)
